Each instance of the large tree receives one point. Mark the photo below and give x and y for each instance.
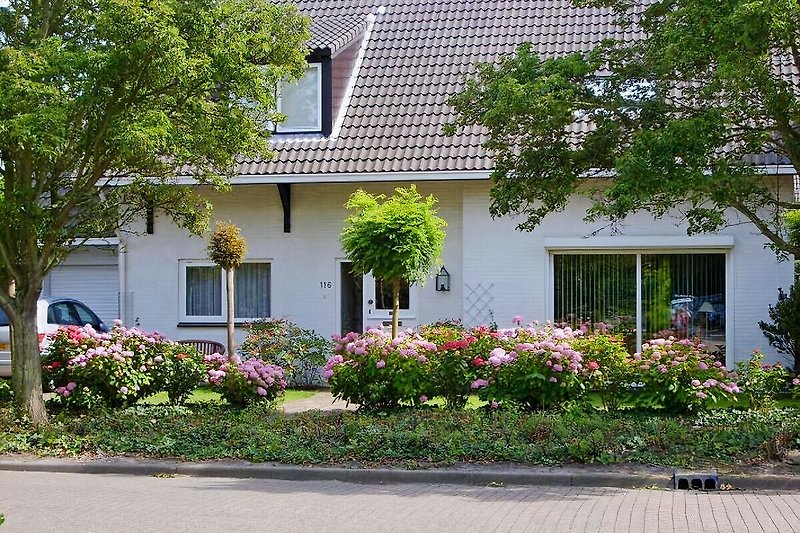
(677, 119)
(101, 103)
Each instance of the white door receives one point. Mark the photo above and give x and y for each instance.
(378, 304)
(95, 285)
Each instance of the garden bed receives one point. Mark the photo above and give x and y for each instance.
(414, 438)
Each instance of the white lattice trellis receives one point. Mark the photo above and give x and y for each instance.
(478, 299)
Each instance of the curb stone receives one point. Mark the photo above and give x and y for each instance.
(523, 475)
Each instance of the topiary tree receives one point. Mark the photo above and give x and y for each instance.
(227, 248)
(399, 238)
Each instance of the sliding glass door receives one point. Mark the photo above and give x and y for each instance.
(653, 294)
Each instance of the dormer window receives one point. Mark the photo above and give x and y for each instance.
(302, 103)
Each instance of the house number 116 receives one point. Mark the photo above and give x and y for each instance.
(325, 284)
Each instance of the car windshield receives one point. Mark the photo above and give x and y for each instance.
(3, 318)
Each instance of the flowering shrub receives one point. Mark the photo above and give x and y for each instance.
(86, 368)
(376, 371)
(459, 360)
(759, 382)
(606, 365)
(300, 352)
(679, 376)
(245, 382)
(542, 370)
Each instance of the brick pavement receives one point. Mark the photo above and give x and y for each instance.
(41, 502)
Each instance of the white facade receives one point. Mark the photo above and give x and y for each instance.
(496, 270)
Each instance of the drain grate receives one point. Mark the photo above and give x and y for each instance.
(696, 480)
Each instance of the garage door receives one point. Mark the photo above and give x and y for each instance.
(97, 286)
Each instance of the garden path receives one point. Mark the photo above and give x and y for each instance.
(321, 401)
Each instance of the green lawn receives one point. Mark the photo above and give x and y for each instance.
(203, 395)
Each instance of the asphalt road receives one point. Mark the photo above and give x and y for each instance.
(41, 502)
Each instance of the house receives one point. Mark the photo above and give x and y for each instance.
(369, 114)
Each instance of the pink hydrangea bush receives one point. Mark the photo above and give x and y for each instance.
(678, 376)
(534, 368)
(86, 368)
(460, 359)
(376, 371)
(245, 382)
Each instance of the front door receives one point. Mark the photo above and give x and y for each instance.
(351, 299)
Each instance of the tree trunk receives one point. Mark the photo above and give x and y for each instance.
(395, 305)
(229, 292)
(27, 363)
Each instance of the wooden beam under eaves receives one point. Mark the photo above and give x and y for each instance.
(285, 192)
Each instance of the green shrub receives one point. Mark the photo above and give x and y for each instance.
(376, 372)
(678, 376)
(178, 371)
(783, 332)
(759, 382)
(300, 352)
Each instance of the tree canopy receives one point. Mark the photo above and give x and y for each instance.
(395, 238)
(102, 103)
(682, 118)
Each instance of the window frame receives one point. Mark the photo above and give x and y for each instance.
(213, 319)
(281, 129)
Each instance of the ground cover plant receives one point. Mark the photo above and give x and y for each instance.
(413, 438)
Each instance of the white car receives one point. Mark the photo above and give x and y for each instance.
(50, 313)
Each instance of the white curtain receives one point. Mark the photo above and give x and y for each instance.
(252, 290)
(203, 291)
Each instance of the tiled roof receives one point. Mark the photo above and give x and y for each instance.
(416, 55)
(334, 32)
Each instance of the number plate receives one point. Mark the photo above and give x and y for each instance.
(4, 346)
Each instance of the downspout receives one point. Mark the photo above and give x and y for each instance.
(122, 263)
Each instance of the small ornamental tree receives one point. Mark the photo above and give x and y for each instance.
(397, 239)
(227, 248)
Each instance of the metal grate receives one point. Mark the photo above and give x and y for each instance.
(478, 299)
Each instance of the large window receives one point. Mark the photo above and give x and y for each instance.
(301, 102)
(649, 294)
(203, 291)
